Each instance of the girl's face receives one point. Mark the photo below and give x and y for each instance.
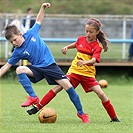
(17, 40)
(91, 32)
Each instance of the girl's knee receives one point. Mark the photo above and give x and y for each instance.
(57, 89)
(102, 96)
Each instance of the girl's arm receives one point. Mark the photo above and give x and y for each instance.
(85, 62)
(4, 69)
(72, 45)
(41, 13)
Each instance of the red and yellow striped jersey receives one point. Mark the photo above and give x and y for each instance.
(85, 51)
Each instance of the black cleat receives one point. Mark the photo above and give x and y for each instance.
(115, 120)
(33, 110)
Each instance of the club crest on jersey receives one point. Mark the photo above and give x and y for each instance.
(80, 45)
(33, 39)
(26, 52)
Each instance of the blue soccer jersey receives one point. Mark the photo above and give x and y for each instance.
(34, 49)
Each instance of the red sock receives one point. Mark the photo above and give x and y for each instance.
(110, 109)
(46, 99)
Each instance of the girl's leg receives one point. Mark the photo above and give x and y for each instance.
(105, 102)
(49, 96)
(45, 100)
(52, 93)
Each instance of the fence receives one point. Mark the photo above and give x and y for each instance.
(118, 26)
(69, 40)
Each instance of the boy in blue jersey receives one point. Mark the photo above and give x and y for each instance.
(32, 48)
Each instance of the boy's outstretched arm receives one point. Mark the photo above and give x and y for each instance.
(4, 69)
(41, 13)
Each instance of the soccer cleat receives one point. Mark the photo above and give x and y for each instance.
(115, 120)
(84, 118)
(33, 110)
(30, 101)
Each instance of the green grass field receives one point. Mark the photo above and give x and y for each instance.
(114, 52)
(14, 119)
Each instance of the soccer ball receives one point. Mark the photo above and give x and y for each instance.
(103, 83)
(47, 115)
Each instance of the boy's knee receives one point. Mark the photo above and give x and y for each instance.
(20, 69)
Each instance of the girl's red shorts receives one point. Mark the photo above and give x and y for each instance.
(86, 82)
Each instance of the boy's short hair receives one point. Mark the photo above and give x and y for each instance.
(11, 30)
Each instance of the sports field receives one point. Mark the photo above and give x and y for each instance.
(14, 119)
(114, 52)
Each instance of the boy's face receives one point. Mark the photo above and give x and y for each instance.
(16, 40)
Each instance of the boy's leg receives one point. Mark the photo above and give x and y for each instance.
(25, 82)
(51, 94)
(76, 101)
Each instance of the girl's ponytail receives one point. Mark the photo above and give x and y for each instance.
(102, 40)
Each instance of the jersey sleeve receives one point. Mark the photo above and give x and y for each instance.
(97, 53)
(35, 28)
(77, 41)
(13, 60)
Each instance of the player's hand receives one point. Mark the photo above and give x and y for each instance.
(80, 63)
(46, 5)
(64, 50)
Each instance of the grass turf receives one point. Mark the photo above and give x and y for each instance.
(14, 119)
(114, 52)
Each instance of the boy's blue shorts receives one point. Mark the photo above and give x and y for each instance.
(50, 73)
